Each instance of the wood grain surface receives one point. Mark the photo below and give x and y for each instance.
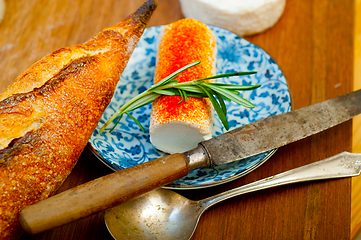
(356, 130)
(313, 45)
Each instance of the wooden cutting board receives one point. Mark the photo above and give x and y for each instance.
(313, 45)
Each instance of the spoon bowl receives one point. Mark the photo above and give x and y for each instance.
(163, 214)
(159, 214)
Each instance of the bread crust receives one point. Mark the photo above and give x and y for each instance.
(50, 111)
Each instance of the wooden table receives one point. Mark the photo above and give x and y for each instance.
(312, 43)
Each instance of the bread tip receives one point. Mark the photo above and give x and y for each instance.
(145, 11)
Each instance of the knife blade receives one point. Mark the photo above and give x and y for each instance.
(257, 137)
(279, 130)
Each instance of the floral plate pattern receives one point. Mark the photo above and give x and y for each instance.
(127, 145)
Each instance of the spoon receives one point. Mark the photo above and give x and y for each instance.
(164, 214)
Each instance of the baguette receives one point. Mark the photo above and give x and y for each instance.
(178, 127)
(50, 111)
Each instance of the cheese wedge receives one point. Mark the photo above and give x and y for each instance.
(242, 17)
(178, 127)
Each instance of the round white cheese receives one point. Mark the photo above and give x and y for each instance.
(242, 17)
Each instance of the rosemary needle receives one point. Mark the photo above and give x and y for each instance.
(169, 86)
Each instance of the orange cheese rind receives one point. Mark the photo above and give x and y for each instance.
(174, 126)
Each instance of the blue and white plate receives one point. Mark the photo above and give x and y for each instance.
(127, 145)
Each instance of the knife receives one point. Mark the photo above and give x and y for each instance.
(254, 138)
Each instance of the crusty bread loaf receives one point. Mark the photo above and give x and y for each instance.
(179, 127)
(50, 111)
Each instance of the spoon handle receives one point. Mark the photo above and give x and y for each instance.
(339, 166)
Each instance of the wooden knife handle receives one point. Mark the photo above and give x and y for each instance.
(102, 193)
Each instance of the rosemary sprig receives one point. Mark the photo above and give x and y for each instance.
(200, 88)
